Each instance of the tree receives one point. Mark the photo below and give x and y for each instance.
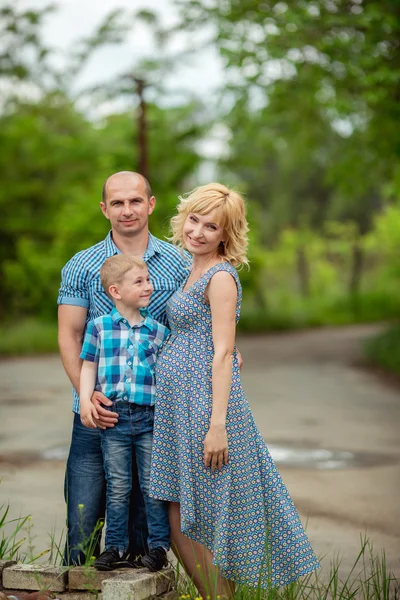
(23, 57)
(323, 80)
(49, 152)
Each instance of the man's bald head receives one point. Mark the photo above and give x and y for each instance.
(124, 175)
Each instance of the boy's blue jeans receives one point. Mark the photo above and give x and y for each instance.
(132, 432)
(85, 494)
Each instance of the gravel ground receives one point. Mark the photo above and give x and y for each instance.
(332, 426)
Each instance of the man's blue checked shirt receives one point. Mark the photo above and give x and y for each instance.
(125, 356)
(81, 285)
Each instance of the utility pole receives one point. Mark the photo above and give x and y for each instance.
(142, 128)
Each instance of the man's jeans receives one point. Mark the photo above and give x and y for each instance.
(134, 431)
(85, 495)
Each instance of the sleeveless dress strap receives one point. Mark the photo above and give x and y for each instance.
(224, 266)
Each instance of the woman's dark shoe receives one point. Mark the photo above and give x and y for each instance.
(155, 559)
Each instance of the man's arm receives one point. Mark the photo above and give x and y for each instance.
(71, 324)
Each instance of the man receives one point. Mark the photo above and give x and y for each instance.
(127, 202)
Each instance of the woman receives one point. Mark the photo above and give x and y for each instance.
(232, 519)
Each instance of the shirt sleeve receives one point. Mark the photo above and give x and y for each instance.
(163, 333)
(74, 289)
(91, 344)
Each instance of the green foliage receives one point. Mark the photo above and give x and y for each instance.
(278, 293)
(312, 115)
(384, 350)
(10, 532)
(53, 169)
(23, 57)
(48, 151)
(313, 111)
(28, 336)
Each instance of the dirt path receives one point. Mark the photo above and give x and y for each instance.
(308, 398)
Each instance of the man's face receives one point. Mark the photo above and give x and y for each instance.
(127, 206)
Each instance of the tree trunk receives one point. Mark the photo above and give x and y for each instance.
(303, 272)
(142, 130)
(357, 267)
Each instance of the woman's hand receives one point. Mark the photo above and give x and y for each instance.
(216, 447)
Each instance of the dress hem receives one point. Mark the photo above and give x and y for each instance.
(167, 498)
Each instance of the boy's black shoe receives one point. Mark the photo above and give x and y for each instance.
(110, 560)
(155, 559)
(131, 563)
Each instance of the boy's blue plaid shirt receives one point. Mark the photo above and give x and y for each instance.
(125, 356)
(81, 285)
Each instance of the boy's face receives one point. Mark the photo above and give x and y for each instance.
(135, 288)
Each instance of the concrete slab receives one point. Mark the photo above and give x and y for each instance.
(138, 586)
(35, 577)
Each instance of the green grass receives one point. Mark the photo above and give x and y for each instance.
(10, 542)
(384, 349)
(17, 540)
(28, 336)
(369, 579)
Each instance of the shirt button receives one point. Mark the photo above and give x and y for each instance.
(130, 347)
(129, 362)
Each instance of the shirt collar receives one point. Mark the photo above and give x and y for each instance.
(110, 247)
(153, 246)
(147, 321)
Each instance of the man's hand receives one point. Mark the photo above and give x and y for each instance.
(104, 418)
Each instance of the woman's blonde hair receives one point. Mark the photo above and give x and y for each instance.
(231, 215)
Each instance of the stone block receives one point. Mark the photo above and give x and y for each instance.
(171, 595)
(35, 577)
(80, 596)
(24, 595)
(138, 585)
(90, 579)
(3, 565)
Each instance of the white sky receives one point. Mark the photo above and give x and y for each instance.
(76, 18)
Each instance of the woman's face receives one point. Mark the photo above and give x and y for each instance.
(201, 233)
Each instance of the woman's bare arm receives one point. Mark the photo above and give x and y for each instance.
(222, 295)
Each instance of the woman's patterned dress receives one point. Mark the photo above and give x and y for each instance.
(242, 513)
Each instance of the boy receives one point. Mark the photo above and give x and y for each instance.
(119, 353)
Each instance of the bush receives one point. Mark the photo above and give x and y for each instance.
(384, 349)
(28, 336)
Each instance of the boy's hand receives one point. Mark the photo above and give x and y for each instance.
(104, 418)
(88, 414)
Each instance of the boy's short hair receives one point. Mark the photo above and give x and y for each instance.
(114, 268)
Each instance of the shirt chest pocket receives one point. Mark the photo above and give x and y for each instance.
(147, 352)
(160, 284)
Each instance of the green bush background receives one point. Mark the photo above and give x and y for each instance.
(314, 146)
